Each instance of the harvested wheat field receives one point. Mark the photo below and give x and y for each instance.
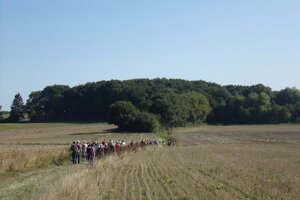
(211, 162)
(205, 172)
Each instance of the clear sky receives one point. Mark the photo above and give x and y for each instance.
(73, 42)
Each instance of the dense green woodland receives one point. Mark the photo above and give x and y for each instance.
(168, 102)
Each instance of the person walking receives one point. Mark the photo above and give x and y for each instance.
(73, 152)
(75, 149)
(78, 151)
(83, 151)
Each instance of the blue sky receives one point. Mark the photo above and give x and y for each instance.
(73, 42)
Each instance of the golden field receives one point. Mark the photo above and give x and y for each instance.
(210, 162)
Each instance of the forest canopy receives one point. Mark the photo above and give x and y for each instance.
(172, 102)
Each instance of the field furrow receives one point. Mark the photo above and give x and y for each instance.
(158, 189)
(138, 190)
(203, 186)
(171, 178)
(158, 181)
(132, 184)
(165, 180)
(127, 183)
(211, 182)
(146, 179)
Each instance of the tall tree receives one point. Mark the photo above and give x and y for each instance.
(288, 96)
(35, 106)
(17, 111)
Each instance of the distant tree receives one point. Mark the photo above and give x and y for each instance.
(123, 114)
(288, 96)
(17, 109)
(54, 102)
(128, 118)
(35, 106)
(296, 113)
(279, 114)
(198, 107)
(147, 122)
(171, 108)
(181, 109)
(235, 112)
(1, 114)
(258, 106)
(290, 99)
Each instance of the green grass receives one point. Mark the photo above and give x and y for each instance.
(9, 126)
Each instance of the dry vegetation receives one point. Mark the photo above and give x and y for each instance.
(31, 146)
(9, 126)
(17, 158)
(63, 135)
(239, 134)
(59, 134)
(212, 162)
(205, 172)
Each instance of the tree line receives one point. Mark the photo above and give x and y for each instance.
(146, 104)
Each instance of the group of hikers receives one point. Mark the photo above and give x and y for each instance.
(90, 151)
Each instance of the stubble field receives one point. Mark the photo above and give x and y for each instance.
(210, 162)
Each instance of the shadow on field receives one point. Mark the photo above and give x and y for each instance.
(106, 131)
(118, 131)
(88, 133)
(111, 130)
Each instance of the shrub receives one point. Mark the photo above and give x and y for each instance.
(123, 114)
(128, 118)
(147, 122)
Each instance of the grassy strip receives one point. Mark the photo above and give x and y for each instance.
(9, 126)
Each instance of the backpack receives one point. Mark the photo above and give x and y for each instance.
(73, 148)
